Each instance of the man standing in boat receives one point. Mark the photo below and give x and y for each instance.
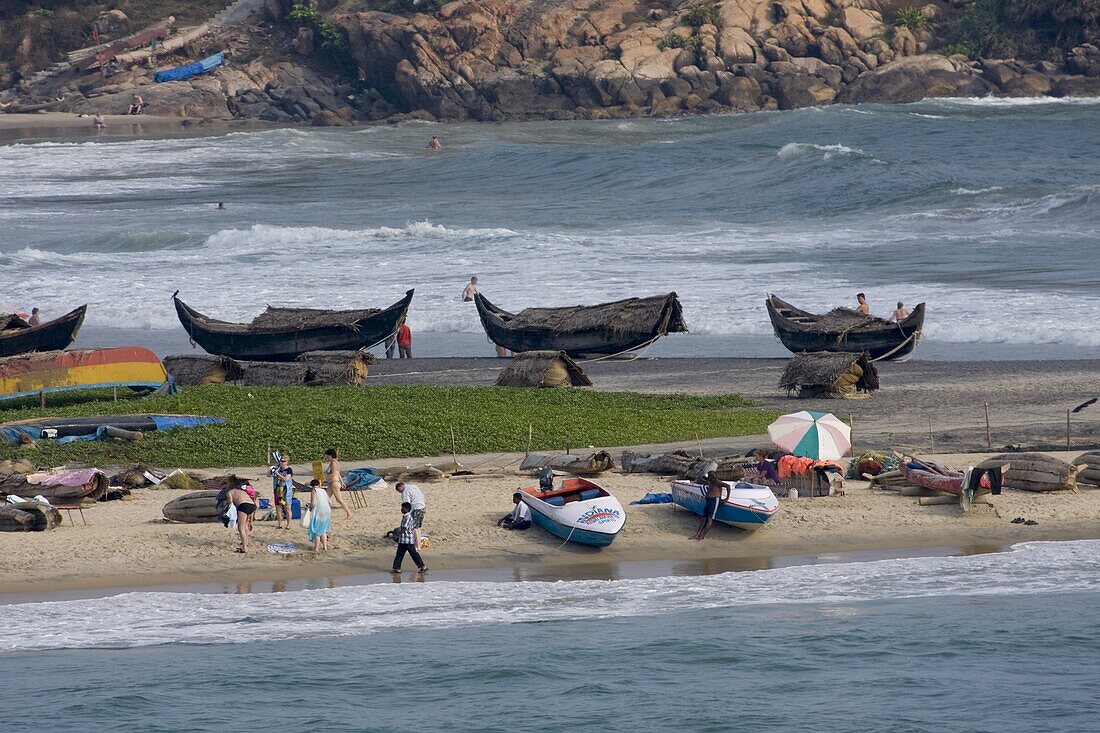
(862, 308)
(900, 314)
(35, 319)
(717, 492)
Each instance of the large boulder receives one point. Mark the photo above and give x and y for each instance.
(913, 78)
(802, 90)
(740, 93)
(1084, 60)
(863, 25)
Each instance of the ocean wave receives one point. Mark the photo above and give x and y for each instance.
(1059, 202)
(793, 151)
(150, 618)
(976, 191)
(1009, 102)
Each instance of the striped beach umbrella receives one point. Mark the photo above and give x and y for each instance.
(817, 435)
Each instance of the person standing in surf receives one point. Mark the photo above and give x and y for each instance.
(470, 290)
(900, 314)
(717, 492)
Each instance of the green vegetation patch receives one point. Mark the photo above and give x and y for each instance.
(380, 422)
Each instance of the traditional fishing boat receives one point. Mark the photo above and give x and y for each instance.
(195, 507)
(843, 329)
(17, 336)
(583, 330)
(749, 506)
(284, 334)
(189, 70)
(984, 479)
(86, 486)
(62, 371)
(580, 511)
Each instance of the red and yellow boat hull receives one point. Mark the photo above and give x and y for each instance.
(61, 371)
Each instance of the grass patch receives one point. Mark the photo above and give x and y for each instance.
(382, 422)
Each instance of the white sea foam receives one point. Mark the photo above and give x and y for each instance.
(792, 151)
(976, 191)
(146, 618)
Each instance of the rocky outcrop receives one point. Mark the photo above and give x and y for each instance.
(567, 59)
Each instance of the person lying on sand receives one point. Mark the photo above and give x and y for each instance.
(717, 492)
(519, 518)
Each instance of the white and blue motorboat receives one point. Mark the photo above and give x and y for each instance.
(748, 506)
(580, 511)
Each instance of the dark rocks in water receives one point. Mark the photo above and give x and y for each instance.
(913, 78)
(801, 90)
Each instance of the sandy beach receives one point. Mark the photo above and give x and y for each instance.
(128, 544)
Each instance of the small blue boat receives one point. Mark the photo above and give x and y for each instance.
(189, 70)
(580, 511)
(748, 506)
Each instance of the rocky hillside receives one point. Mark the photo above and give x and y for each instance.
(505, 59)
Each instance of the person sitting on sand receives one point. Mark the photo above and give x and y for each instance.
(765, 468)
(519, 518)
(35, 319)
(434, 144)
(717, 492)
(246, 507)
(282, 487)
(470, 290)
(136, 103)
(900, 314)
(412, 494)
(408, 540)
(320, 516)
(862, 307)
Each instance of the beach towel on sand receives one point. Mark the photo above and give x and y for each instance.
(652, 498)
(282, 548)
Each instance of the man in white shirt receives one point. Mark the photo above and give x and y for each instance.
(412, 494)
(518, 518)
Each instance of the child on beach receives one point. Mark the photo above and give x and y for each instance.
(408, 541)
(282, 486)
(320, 516)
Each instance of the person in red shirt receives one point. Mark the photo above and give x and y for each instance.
(405, 341)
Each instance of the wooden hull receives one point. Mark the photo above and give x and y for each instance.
(196, 507)
(50, 336)
(62, 371)
(239, 341)
(798, 332)
(589, 340)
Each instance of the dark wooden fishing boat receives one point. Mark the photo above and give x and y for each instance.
(583, 330)
(843, 329)
(284, 334)
(19, 337)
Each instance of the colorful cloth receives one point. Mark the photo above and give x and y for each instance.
(320, 517)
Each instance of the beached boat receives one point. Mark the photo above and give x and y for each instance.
(19, 337)
(189, 70)
(65, 488)
(68, 427)
(284, 334)
(580, 511)
(749, 506)
(843, 329)
(62, 371)
(583, 330)
(195, 507)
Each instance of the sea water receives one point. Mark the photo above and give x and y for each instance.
(985, 208)
(998, 642)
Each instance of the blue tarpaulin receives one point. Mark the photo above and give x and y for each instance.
(360, 478)
(189, 70)
(652, 498)
(167, 422)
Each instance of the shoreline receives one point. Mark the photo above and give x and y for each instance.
(127, 546)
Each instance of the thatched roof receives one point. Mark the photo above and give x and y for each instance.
(543, 369)
(630, 315)
(297, 319)
(820, 372)
(313, 368)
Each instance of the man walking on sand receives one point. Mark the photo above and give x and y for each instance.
(411, 494)
(408, 541)
(717, 492)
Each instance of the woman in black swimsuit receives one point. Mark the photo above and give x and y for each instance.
(245, 509)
